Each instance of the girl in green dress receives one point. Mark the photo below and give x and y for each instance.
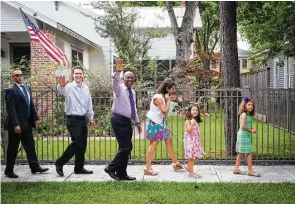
(244, 143)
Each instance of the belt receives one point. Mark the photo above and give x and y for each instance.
(122, 117)
(79, 117)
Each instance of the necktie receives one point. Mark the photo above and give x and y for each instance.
(132, 104)
(27, 100)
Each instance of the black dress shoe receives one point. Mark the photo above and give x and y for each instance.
(83, 171)
(59, 170)
(39, 169)
(111, 174)
(127, 178)
(11, 174)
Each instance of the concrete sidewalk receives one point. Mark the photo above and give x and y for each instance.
(209, 173)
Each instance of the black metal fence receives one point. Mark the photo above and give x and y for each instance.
(274, 121)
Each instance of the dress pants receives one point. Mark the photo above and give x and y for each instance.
(27, 140)
(77, 126)
(123, 131)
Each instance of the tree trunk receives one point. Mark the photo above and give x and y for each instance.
(230, 71)
(183, 35)
(206, 64)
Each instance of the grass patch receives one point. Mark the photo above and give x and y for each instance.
(146, 192)
(269, 143)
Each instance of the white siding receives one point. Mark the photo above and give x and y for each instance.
(154, 17)
(66, 15)
(11, 19)
(92, 58)
(72, 18)
(270, 63)
(163, 48)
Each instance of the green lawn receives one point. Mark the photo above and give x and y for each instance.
(268, 143)
(146, 192)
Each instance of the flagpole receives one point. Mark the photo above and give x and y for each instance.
(23, 16)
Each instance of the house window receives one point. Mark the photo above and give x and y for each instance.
(287, 74)
(173, 62)
(244, 64)
(77, 57)
(163, 69)
(276, 73)
(20, 52)
(213, 64)
(20, 55)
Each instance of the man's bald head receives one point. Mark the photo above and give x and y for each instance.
(128, 79)
(16, 72)
(127, 74)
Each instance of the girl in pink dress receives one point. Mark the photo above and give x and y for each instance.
(192, 146)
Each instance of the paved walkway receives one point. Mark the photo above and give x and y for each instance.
(209, 173)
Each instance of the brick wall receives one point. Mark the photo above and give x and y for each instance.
(43, 68)
(43, 77)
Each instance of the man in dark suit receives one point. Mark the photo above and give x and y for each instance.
(21, 117)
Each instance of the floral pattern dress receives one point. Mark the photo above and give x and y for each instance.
(192, 145)
(157, 132)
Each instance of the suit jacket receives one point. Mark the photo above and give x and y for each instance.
(17, 108)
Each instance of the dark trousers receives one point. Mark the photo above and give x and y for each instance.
(77, 126)
(27, 140)
(123, 130)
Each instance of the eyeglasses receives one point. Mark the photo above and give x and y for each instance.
(18, 75)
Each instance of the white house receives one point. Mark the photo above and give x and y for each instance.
(162, 49)
(281, 70)
(73, 33)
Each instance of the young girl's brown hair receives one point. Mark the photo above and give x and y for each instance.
(189, 116)
(242, 106)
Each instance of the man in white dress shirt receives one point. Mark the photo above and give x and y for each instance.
(78, 108)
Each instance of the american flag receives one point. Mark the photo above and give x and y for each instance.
(38, 36)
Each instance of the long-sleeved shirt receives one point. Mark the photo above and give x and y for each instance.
(121, 104)
(78, 99)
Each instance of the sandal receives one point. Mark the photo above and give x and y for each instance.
(177, 166)
(253, 173)
(150, 172)
(237, 171)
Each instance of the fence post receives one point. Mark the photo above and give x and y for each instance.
(5, 144)
(246, 91)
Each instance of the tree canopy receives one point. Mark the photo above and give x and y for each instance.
(207, 37)
(132, 44)
(268, 25)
